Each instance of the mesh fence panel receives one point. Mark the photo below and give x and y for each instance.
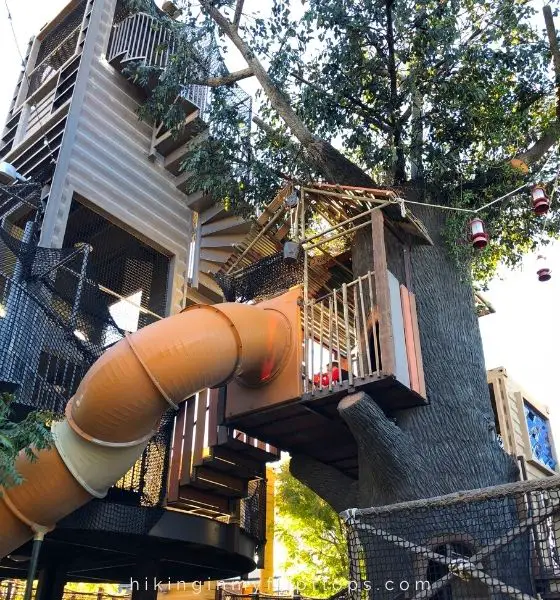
(12, 196)
(55, 321)
(269, 276)
(56, 48)
(253, 512)
(496, 543)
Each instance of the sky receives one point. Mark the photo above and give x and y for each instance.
(524, 334)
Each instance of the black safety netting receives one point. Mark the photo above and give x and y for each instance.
(269, 276)
(253, 513)
(495, 543)
(55, 321)
(27, 194)
(62, 283)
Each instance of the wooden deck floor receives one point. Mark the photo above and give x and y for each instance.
(311, 425)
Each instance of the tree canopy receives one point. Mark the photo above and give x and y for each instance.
(31, 434)
(313, 536)
(435, 97)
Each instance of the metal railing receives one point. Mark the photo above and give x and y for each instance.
(341, 336)
(53, 62)
(142, 38)
(14, 589)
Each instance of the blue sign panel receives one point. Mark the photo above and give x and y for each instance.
(540, 437)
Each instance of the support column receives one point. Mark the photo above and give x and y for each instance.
(52, 580)
(144, 581)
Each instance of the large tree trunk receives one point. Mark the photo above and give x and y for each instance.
(445, 447)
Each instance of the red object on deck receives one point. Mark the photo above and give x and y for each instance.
(325, 379)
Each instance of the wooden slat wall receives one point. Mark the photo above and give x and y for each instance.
(382, 291)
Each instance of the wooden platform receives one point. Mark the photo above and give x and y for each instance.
(311, 425)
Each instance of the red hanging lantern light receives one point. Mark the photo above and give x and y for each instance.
(541, 202)
(478, 234)
(543, 271)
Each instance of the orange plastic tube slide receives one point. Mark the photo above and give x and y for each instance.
(120, 401)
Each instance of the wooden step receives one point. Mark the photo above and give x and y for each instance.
(222, 484)
(202, 502)
(208, 282)
(211, 267)
(246, 446)
(174, 149)
(229, 224)
(222, 241)
(213, 213)
(199, 201)
(227, 461)
(215, 255)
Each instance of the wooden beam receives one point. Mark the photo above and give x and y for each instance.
(213, 418)
(381, 278)
(410, 341)
(419, 359)
(177, 454)
(186, 462)
(201, 416)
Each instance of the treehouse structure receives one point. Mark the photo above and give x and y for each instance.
(101, 240)
(350, 330)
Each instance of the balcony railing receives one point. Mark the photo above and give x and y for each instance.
(140, 38)
(341, 337)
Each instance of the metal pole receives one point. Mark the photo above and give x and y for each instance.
(32, 571)
(86, 248)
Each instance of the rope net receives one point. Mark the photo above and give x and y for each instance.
(269, 276)
(496, 543)
(55, 321)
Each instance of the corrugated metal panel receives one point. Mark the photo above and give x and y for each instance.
(109, 163)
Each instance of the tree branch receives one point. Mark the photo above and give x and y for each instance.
(355, 101)
(331, 163)
(275, 96)
(391, 463)
(552, 133)
(228, 79)
(553, 42)
(328, 483)
(400, 174)
(238, 13)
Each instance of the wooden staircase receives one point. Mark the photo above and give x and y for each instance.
(213, 467)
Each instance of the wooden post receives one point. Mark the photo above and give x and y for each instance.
(267, 572)
(175, 467)
(382, 293)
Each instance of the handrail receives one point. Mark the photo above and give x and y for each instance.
(136, 39)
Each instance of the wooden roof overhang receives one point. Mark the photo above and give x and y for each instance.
(337, 205)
